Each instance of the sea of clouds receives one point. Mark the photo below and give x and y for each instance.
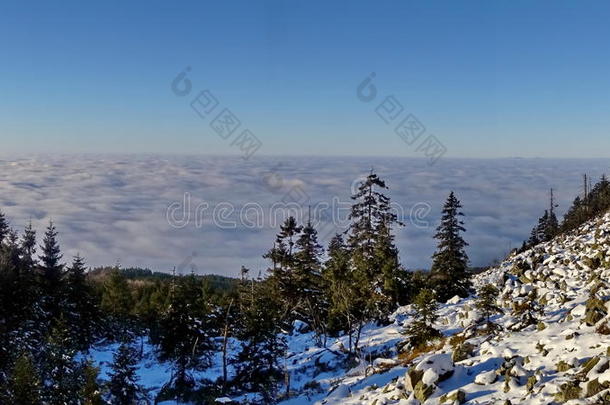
(215, 214)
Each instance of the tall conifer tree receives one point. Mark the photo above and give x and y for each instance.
(449, 271)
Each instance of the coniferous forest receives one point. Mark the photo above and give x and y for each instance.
(54, 309)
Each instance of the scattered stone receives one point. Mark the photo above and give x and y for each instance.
(595, 312)
(462, 352)
(563, 366)
(423, 391)
(458, 396)
(486, 378)
(595, 387)
(531, 382)
(568, 391)
(412, 378)
(441, 363)
(588, 366)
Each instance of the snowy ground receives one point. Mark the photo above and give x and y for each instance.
(558, 358)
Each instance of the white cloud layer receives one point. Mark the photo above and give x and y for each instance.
(111, 207)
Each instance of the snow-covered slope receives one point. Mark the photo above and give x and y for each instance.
(561, 357)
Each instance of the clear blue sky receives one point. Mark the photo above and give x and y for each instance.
(487, 78)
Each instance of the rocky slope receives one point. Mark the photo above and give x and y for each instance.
(551, 343)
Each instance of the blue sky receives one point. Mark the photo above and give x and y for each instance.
(488, 79)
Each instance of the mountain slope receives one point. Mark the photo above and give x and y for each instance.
(560, 355)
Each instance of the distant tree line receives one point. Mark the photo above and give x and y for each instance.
(594, 201)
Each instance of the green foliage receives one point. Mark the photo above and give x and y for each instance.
(117, 299)
(123, 386)
(486, 301)
(183, 332)
(594, 203)
(449, 272)
(4, 227)
(61, 373)
(257, 364)
(527, 310)
(91, 392)
(79, 306)
(374, 255)
(50, 258)
(421, 330)
(24, 385)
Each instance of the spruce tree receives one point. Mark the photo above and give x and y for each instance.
(80, 308)
(449, 272)
(396, 280)
(50, 258)
(527, 310)
(184, 335)
(312, 307)
(552, 224)
(51, 277)
(24, 385)
(257, 364)
(4, 227)
(283, 262)
(374, 257)
(343, 292)
(28, 247)
(123, 387)
(421, 330)
(486, 302)
(117, 301)
(91, 392)
(61, 371)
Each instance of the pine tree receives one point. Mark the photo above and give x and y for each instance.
(308, 281)
(288, 231)
(345, 300)
(421, 330)
(396, 280)
(24, 384)
(117, 301)
(79, 304)
(50, 260)
(552, 224)
(374, 257)
(527, 310)
(91, 392)
(28, 247)
(185, 338)
(52, 273)
(4, 227)
(449, 272)
(123, 386)
(61, 372)
(486, 302)
(283, 262)
(257, 364)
